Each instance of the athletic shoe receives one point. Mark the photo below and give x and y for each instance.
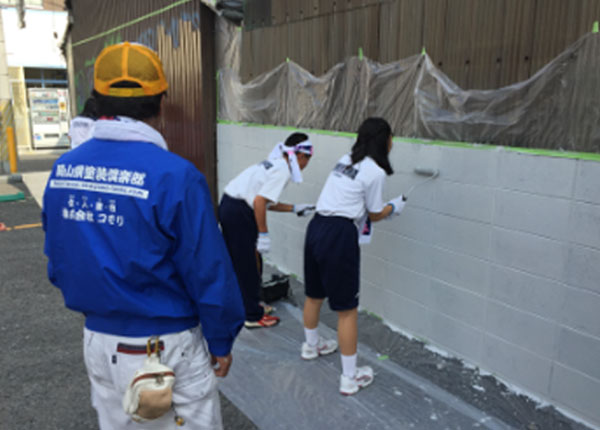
(268, 309)
(362, 378)
(324, 347)
(265, 321)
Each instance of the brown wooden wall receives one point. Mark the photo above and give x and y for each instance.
(480, 44)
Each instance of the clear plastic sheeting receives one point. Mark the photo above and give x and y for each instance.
(557, 108)
(228, 41)
(275, 388)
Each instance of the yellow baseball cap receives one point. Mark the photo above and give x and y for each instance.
(129, 62)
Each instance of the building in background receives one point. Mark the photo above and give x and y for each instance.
(37, 72)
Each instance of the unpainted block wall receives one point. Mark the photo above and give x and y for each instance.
(496, 261)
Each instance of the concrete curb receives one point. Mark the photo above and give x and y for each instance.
(8, 192)
(12, 197)
(13, 178)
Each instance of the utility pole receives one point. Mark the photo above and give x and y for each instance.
(21, 13)
(8, 150)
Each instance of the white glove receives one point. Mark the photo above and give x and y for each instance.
(263, 244)
(303, 209)
(397, 204)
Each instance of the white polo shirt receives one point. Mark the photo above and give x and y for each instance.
(267, 179)
(353, 190)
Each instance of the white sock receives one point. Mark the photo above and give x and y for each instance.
(312, 336)
(349, 365)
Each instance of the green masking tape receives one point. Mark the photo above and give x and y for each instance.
(127, 24)
(374, 315)
(589, 156)
(360, 54)
(595, 27)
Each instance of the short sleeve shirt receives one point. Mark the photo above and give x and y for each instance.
(267, 179)
(351, 190)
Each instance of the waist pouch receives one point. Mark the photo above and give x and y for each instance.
(149, 395)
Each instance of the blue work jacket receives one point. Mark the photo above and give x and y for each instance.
(133, 243)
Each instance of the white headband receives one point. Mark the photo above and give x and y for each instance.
(304, 147)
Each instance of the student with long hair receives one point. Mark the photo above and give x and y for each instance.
(243, 217)
(352, 192)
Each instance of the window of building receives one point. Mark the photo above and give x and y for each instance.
(45, 78)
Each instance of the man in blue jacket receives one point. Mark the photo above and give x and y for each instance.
(133, 244)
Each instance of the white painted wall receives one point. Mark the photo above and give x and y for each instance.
(496, 261)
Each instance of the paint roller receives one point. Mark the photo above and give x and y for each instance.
(422, 171)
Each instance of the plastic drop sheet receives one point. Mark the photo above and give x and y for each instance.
(557, 108)
(275, 388)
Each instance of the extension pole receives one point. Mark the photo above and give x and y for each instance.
(12, 149)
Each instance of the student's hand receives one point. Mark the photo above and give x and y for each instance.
(304, 209)
(263, 244)
(221, 365)
(397, 204)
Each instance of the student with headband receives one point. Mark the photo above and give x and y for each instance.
(243, 217)
(351, 195)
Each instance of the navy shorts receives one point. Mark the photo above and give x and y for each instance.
(332, 261)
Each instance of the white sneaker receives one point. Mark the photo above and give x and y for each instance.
(324, 347)
(364, 376)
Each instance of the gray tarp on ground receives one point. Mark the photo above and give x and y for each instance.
(557, 108)
(276, 389)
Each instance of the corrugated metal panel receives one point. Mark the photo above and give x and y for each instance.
(295, 10)
(183, 34)
(326, 6)
(584, 109)
(485, 50)
(279, 14)
(457, 40)
(554, 30)
(337, 37)
(434, 29)
(518, 37)
(280, 52)
(479, 43)
(407, 29)
(588, 14)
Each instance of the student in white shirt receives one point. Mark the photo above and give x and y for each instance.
(243, 217)
(352, 192)
(82, 126)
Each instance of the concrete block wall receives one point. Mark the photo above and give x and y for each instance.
(497, 261)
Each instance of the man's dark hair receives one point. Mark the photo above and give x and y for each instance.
(295, 138)
(89, 109)
(140, 108)
(372, 141)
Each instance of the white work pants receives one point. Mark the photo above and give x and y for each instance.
(195, 394)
